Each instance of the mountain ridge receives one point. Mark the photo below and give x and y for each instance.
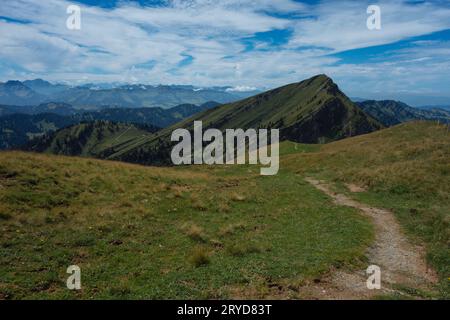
(313, 110)
(34, 92)
(391, 112)
(94, 139)
(17, 129)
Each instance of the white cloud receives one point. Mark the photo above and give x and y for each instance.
(120, 44)
(342, 25)
(241, 89)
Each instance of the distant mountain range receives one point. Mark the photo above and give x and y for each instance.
(63, 109)
(16, 93)
(35, 92)
(438, 107)
(18, 128)
(390, 112)
(416, 100)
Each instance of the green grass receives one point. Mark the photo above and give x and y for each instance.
(406, 169)
(139, 232)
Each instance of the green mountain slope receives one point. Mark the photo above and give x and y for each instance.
(22, 124)
(390, 112)
(311, 111)
(91, 139)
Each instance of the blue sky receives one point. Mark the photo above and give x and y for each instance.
(244, 44)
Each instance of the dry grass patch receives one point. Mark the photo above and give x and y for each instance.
(237, 197)
(194, 232)
(231, 229)
(197, 203)
(199, 256)
(178, 190)
(223, 206)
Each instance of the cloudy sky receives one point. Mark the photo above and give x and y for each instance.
(245, 44)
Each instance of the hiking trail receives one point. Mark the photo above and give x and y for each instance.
(401, 262)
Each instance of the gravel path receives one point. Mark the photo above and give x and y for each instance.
(401, 262)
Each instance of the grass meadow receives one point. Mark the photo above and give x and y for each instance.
(215, 231)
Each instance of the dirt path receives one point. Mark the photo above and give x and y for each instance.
(401, 262)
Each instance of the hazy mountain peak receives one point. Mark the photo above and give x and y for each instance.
(37, 81)
(14, 83)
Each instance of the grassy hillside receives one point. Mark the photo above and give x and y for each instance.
(216, 231)
(142, 232)
(311, 111)
(90, 139)
(405, 168)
